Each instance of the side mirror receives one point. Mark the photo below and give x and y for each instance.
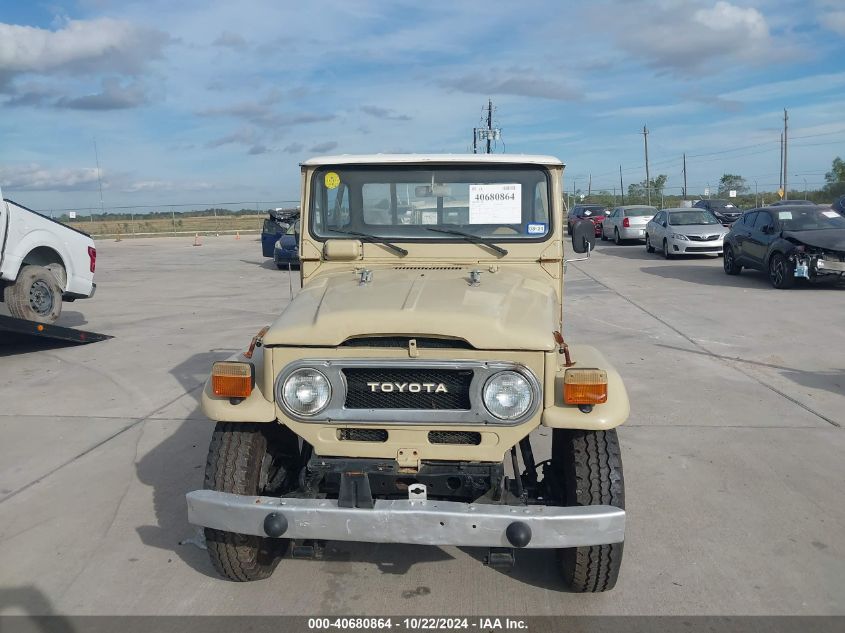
(583, 236)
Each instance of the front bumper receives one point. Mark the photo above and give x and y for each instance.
(684, 247)
(406, 521)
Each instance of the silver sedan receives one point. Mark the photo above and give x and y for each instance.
(685, 232)
(627, 223)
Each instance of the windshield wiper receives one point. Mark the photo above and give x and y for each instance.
(366, 237)
(469, 237)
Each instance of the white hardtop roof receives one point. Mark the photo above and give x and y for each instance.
(389, 159)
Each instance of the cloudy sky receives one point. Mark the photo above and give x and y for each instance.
(212, 100)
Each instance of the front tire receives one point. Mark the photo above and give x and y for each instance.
(648, 247)
(666, 253)
(243, 458)
(35, 295)
(729, 262)
(781, 272)
(588, 465)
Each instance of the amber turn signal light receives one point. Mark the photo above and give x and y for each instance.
(232, 380)
(585, 386)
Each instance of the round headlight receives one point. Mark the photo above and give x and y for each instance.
(306, 391)
(508, 395)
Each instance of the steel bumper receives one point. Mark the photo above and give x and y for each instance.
(405, 521)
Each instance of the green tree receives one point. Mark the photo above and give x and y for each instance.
(639, 190)
(730, 182)
(835, 178)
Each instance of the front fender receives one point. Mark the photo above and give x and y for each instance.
(559, 415)
(255, 408)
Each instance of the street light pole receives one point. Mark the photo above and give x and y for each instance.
(756, 195)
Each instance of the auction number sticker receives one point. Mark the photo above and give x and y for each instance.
(495, 204)
(332, 180)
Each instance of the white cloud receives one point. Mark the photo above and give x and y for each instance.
(34, 177)
(227, 39)
(669, 35)
(788, 88)
(81, 46)
(168, 185)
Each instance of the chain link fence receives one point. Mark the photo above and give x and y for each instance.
(170, 220)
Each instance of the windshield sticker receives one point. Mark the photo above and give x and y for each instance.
(784, 215)
(495, 204)
(536, 229)
(332, 180)
(830, 214)
(428, 217)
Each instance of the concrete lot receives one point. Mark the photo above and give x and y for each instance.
(733, 453)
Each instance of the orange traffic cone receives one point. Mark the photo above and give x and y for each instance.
(197, 240)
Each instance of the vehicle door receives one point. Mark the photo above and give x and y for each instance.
(759, 238)
(270, 232)
(660, 224)
(4, 217)
(611, 222)
(740, 232)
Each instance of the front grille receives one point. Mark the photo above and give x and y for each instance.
(454, 437)
(402, 342)
(703, 238)
(702, 249)
(362, 435)
(390, 388)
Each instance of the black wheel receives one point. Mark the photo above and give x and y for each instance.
(603, 236)
(616, 239)
(648, 247)
(666, 253)
(248, 459)
(781, 271)
(281, 266)
(729, 262)
(588, 467)
(35, 295)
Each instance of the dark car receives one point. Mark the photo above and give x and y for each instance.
(791, 203)
(788, 242)
(839, 205)
(725, 211)
(286, 250)
(274, 227)
(595, 213)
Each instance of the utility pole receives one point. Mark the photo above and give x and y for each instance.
(475, 140)
(621, 186)
(647, 177)
(99, 181)
(489, 121)
(685, 175)
(589, 185)
(785, 159)
(780, 176)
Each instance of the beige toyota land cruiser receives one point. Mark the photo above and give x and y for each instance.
(396, 397)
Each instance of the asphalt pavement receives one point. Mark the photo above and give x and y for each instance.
(733, 453)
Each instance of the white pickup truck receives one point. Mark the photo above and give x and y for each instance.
(42, 263)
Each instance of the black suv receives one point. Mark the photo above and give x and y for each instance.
(724, 210)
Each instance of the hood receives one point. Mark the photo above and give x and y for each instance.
(507, 310)
(830, 239)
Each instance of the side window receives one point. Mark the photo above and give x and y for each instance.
(338, 206)
(271, 227)
(748, 219)
(541, 202)
(763, 219)
(658, 219)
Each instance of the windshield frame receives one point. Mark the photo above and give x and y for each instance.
(312, 186)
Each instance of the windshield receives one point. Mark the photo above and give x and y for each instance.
(691, 217)
(810, 219)
(646, 212)
(501, 203)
